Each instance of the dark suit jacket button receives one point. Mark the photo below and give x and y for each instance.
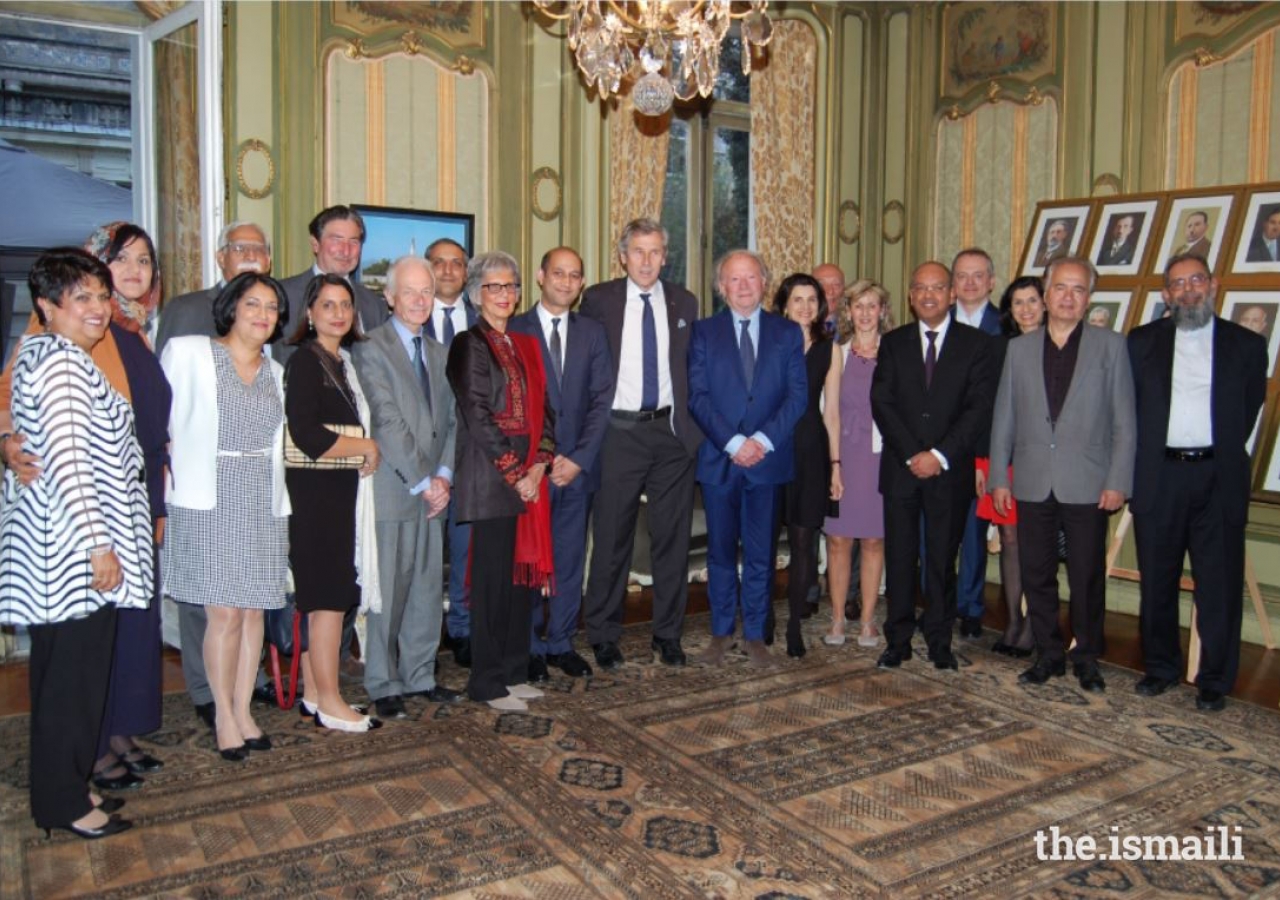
(924, 415)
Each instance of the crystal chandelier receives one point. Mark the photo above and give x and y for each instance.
(679, 37)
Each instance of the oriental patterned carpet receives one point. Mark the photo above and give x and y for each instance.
(818, 778)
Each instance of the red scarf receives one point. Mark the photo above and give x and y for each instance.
(534, 564)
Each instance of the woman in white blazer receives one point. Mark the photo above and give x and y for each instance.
(227, 541)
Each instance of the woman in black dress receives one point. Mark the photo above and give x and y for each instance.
(808, 499)
(330, 571)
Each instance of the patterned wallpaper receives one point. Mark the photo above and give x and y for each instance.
(1224, 118)
(993, 166)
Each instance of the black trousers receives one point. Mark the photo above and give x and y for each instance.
(70, 668)
(501, 612)
(1085, 526)
(939, 506)
(1188, 517)
(640, 458)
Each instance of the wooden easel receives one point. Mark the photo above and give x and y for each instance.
(1188, 584)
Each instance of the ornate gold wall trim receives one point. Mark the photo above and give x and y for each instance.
(446, 141)
(1000, 92)
(1108, 181)
(1260, 106)
(543, 176)
(253, 145)
(893, 221)
(851, 233)
(1185, 175)
(375, 131)
(1018, 211)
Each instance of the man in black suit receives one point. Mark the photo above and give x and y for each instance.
(931, 399)
(649, 445)
(1119, 248)
(242, 247)
(1199, 381)
(337, 237)
(580, 390)
(1265, 244)
(453, 312)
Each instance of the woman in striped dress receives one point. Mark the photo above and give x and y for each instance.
(227, 540)
(76, 543)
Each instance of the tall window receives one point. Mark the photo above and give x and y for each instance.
(706, 201)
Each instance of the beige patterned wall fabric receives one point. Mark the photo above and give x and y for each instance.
(404, 131)
(637, 169)
(994, 165)
(1224, 118)
(782, 148)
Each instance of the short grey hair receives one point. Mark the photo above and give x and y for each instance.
(224, 237)
(484, 264)
(403, 261)
(1070, 261)
(978, 252)
(642, 225)
(751, 254)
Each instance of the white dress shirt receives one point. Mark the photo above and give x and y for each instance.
(964, 317)
(1190, 409)
(545, 318)
(941, 335)
(457, 310)
(630, 388)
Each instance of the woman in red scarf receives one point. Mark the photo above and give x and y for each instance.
(505, 442)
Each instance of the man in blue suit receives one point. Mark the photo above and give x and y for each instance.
(747, 391)
(972, 279)
(579, 367)
(451, 313)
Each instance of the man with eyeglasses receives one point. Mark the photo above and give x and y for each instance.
(1199, 382)
(242, 247)
(649, 446)
(337, 238)
(453, 312)
(931, 399)
(1066, 402)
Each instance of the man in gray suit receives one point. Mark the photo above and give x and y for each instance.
(412, 410)
(242, 247)
(337, 239)
(1065, 419)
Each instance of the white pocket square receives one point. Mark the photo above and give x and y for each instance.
(680, 324)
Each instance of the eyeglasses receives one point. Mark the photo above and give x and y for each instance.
(497, 288)
(1197, 281)
(245, 249)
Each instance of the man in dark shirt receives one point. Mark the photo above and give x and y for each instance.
(1074, 464)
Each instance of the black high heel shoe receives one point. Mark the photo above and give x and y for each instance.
(234, 754)
(114, 825)
(140, 763)
(258, 744)
(126, 781)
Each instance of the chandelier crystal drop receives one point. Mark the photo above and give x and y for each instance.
(669, 48)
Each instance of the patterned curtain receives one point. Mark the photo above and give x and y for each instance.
(993, 166)
(1221, 121)
(638, 149)
(178, 237)
(783, 148)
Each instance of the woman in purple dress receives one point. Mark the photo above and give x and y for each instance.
(862, 315)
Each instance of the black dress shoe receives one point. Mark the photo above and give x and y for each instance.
(669, 651)
(570, 664)
(235, 754)
(258, 744)
(126, 781)
(205, 713)
(1042, 670)
(971, 626)
(265, 694)
(1020, 652)
(538, 670)
(390, 707)
(608, 656)
(892, 657)
(1001, 648)
(1210, 700)
(795, 641)
(943, 658)
(440, 694)
(1090, 677)
(141, 763)
(462, 651)
(114, 825)
(1153, 685)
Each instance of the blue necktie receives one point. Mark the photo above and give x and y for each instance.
(448, 325)
(649, 382)
(419, 366)
(930, 357)
(748, 352)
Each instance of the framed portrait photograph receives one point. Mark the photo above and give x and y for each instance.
(1058, 232)
(1109, 309)
(1196, 225)
(1258, 249)
(1153, 308)
(1257, 311)
(1124, 230)
(392, 232)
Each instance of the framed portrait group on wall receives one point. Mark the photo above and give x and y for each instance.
(1130, 238)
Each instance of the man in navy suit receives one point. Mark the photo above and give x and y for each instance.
(747, 391)
(580, 390)
(972, 280)
(648, 446)
(452, 313)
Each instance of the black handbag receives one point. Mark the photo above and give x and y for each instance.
(286, 629)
